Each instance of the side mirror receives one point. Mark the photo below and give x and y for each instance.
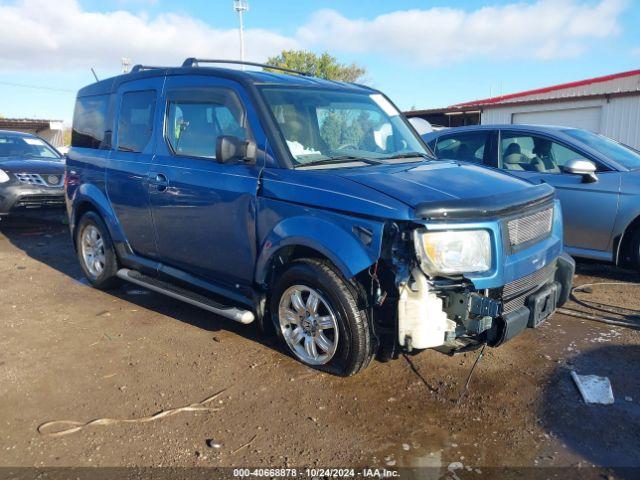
(582, 167)
(229, 148)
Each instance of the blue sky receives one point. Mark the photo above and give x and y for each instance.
(423, 54)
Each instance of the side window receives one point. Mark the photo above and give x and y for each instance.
(468, 147)
(135, 123)
(229, 125)
(90, 121)
(195, 120)
(534, 153)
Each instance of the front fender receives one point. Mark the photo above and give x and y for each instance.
(344, 240)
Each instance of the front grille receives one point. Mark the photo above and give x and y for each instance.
(39, 201)
(531, 227)
(515, 293)
(42, 180)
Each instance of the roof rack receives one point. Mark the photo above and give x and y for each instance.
(194, 62)
(140, 68)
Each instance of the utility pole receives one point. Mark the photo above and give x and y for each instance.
(241, 6)
(126, 64)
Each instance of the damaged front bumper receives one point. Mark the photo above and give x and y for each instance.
(461, 318)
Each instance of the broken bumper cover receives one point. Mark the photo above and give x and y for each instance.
(458, 319)
(537, 303)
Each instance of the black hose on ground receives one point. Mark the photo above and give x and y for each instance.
(602, 307)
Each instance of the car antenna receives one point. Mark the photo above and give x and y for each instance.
(94, 74)
(475, 364)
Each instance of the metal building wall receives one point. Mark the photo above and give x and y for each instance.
(621, 120)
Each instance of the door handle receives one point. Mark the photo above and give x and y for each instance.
(161, 178)
(159, 181)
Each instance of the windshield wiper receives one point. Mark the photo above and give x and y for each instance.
(337, 160)
(409, 155)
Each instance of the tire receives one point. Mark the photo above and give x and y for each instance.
(337, 330)
(93, 241)
(634, 251)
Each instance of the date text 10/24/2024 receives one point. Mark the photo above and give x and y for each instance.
(316, 473)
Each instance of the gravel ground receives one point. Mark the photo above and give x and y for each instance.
(69, 352)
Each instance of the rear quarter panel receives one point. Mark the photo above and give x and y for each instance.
(85, 183)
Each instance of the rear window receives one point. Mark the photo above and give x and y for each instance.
(136, 120)
(90, 121)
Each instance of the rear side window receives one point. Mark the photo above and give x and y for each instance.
(468, 147)
(195, 120)
(90, 121)
(135, 123)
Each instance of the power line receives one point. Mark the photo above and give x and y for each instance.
(36, 87)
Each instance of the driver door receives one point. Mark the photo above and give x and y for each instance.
(204, 211)
(589, 208)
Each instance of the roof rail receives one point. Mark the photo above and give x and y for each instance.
(194, 62)
(140, 68)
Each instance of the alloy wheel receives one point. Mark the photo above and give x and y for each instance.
(92, 247)
(308, 324)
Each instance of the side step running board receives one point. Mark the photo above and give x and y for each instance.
(173, 291)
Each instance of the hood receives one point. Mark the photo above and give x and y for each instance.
(404, 192)
(31, 165)
(437, 181)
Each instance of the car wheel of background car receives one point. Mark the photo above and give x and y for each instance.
(315, 312)
(634, 250)
(95, 251)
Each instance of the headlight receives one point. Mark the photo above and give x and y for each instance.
(3, 176)
(454, 251)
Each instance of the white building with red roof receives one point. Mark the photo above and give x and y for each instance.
(609, 105)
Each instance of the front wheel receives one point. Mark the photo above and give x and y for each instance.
(316, 313)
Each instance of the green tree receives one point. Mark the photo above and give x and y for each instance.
(331, 129)
(323, 65)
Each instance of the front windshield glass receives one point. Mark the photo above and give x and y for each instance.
(619, 153)
(328, 125)
(25, 146)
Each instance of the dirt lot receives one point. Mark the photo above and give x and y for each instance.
(69, 352)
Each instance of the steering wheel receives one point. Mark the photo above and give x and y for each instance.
(348, 146)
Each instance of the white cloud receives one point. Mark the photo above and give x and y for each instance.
(45, 34)
(545, 29)
(60, 34)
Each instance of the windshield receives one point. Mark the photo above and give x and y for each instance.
(25, 146)
(323, 126)
(625, 156)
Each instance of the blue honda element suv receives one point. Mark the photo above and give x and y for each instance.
(310, 207)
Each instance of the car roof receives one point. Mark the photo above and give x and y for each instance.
(505, 126)
(110, 85)
(18, 134)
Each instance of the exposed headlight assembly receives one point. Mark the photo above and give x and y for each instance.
(3, 176)
(453, 252)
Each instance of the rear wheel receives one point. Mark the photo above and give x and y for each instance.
(316, 314)
(95, 251)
